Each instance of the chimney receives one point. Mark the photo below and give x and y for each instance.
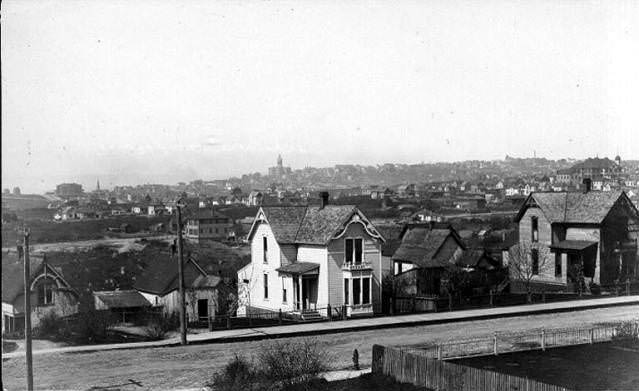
(587, 185)
(323, 199)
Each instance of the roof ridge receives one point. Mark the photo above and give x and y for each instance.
(301, 222)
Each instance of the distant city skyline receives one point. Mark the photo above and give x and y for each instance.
(159, 92)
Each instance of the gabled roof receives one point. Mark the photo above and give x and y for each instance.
(421, 246)
(13, 274)
(122, 299)
(160, 277)
(310, 224)
(574, 207)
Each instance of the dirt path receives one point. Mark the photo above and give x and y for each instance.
(192, 366)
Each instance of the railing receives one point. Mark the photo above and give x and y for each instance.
(357, 266)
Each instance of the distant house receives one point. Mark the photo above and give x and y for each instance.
(426, 250)
(50, 292)
(595, 231)
(406, 191)
(255, 198)
(208, 225)
(305, 258)
(156, 209)
(158, 284)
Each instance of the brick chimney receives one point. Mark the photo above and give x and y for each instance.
(587, 182)
(323, 199)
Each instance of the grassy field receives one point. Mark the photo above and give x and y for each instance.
(603, 366)
(192, 366)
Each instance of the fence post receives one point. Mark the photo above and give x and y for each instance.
(495, 343)
(628, 287)
(491, 298)
(543, 339)
(439, 351)
(228, 322)
(543, 296)
(279, 317)
(329, 312)
(413, 305)
(392, 307)
(591, 337)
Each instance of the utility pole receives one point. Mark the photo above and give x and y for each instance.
(27, 311)
(181, 274)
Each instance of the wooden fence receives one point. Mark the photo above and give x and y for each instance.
(420, 370)
(540, 339)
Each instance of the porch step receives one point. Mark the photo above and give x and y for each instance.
(311, 316)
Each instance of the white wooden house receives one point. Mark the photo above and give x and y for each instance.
(307, 258)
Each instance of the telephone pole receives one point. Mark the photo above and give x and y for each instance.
(27, 311)
(181, 274)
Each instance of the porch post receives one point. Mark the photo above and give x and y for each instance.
(370, 290)
(300, 296)
(350, 291)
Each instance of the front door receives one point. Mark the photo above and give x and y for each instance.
(203, 309)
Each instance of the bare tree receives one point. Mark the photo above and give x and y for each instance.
(526, 261)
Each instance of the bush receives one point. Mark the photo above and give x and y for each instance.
(627, 330)
(279, 366)
(157, 328)
(49, 326)
(93, 326)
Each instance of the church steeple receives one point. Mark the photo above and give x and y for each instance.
(279, 160)
(97, 187)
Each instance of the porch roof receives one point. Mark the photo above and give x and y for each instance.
(573, 245)
(300, 268)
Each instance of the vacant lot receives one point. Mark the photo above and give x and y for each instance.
(192, 366)
(603, 366)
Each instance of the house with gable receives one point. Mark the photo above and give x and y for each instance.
(307, 258)
(50, 292)
(593, 231)
(426, 250)
(158, 284)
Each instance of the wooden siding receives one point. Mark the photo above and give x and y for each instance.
(372, 251)
(317, 254)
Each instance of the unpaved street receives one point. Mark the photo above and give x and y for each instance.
(192, 366)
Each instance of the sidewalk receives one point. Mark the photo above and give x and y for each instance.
(226, 336)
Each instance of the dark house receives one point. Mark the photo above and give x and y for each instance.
(594, 231)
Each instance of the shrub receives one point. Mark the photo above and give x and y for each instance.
(279, 366)
(49, 326)
(627, 330)
(93, 326)
(238, 374)
(160, 325)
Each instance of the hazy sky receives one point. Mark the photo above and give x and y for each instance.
(163, 91)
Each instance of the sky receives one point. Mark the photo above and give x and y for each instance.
(167, 91)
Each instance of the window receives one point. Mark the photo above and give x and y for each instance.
(366, 290)
(265, 286)
(557, 264)
(346, 291)
(356, 291)
(534, 254)
(353, 250)
(265, 247)
(534, 223)
(45, 292)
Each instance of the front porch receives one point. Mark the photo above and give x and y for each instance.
(304, 277)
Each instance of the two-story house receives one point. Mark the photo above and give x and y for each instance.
(594, 231)
(307, 258)
(208, 225)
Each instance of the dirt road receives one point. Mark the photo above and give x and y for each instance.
(192, 366)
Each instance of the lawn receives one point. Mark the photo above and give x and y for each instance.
(602, 366)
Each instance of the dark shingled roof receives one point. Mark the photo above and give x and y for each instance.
(421, 246)
(13, 274)
(161, 276)
(205, 214)
(122, 299)
(575, 207)
(307, 224)
(477, 258)
(299, 268)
